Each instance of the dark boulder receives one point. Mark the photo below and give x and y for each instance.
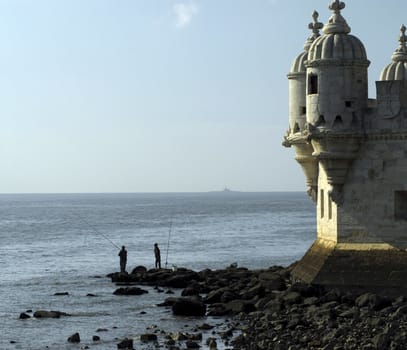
(49, 314)
(96, 338)
(130, 291)
(126, 344)
(188, 307)
(192, 345)
(24, 316)
(61, 293)
(238, 306)
(74, 338)
(148, 337)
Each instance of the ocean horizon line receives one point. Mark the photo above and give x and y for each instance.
(151, 192)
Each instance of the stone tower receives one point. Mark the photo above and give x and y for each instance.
(353, 152)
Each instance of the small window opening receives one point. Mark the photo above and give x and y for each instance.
(338, 121)
(296, 128)
(320, 121)
(322, 199)
(348, 104)
(303, 110)
(400, 205)
(313, 84)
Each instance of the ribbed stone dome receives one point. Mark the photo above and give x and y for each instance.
(397, 70)
(337, 46)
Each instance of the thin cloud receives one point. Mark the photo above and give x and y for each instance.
(184, 12)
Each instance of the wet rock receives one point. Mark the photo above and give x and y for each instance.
(188, 307)
(24, 316)
(96, 338)
(139, 269)
(192, 345)
(147, 337)
(49, 314)
(238, 306)
(102, 330)
(130, 291)
(74, 338)
(61, 293)
(126, 344)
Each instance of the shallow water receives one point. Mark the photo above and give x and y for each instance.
(60, 243)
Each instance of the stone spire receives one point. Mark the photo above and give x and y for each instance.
(315, 26)
(336, 24)
(400, 54)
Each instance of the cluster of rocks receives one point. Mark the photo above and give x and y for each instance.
(272, 312)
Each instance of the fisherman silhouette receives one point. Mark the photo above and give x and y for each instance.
(157, 256)
(123, 259)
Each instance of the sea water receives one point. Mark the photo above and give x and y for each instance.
(57, 243)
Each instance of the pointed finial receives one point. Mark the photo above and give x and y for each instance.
(336, 23)
(400, 54)
(315, 26)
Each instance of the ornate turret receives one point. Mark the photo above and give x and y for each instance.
(297, 135)
(397, 70)
(336, 97)
(353, 153)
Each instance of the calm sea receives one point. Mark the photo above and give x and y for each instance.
(65, 242)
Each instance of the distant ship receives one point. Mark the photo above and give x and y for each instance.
(227, 189)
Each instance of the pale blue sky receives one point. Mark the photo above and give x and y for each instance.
(160, 95)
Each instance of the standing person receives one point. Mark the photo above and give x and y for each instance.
(123, 259)
(157, 256)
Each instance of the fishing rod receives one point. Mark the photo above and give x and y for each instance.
(168, 244)
(98, 232)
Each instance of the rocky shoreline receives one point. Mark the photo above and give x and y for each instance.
(258, 310)
(269, 311)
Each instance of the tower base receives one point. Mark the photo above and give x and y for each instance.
(355, 268)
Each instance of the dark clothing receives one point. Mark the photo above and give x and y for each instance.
(123, 259)
(157, 256)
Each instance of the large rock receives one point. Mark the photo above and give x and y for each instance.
(49, 314)
(188, 307)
